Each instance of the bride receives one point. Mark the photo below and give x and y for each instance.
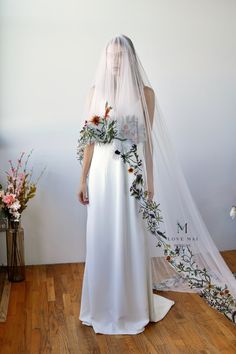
(117, 296)
(135, 193)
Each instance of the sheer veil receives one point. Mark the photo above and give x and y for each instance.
(183, 254)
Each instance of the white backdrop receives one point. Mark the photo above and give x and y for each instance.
(49, 52)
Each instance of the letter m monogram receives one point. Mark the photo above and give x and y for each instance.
(182, 227)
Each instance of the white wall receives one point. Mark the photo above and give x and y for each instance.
(49, 52)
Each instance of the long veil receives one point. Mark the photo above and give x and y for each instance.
(122, 109)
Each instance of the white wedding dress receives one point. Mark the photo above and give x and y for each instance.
(117, 296)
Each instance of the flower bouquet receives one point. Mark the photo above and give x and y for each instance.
(13, 200)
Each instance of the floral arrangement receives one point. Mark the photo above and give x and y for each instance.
(19, 190)
(101, 129)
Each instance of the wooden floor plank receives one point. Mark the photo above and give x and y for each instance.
(4, 297)
(43, 317)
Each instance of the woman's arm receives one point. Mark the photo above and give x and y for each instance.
(150, 101)
(88, 155)
(87, 159)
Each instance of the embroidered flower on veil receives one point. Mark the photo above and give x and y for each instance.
(129, 129)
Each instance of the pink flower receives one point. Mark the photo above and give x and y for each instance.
(21, 176)
(9, 199)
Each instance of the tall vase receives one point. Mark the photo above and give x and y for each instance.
(15, 251)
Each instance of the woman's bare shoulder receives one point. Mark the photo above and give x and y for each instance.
(149, 95)
(148, 91)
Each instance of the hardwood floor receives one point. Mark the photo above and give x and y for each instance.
(44, 309)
